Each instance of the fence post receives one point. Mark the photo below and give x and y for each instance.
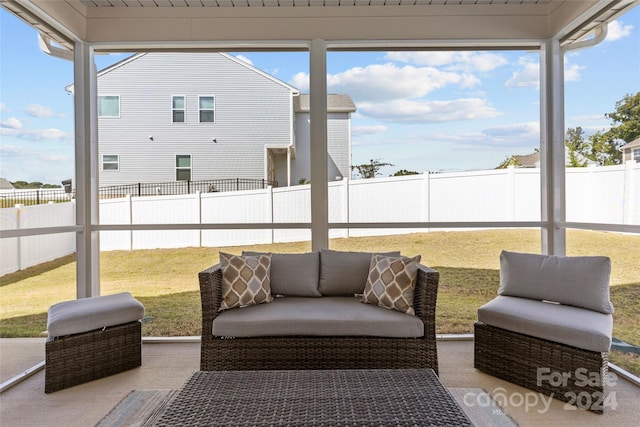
(270, 211)
(511, 193)
(130, 212)
(631, 198)
(426, 204)
(19, 239)
(198, 196)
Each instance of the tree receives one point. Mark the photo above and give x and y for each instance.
(576, 146)
(371, 169)
(403, 172)
(626, 118)
(603, 147)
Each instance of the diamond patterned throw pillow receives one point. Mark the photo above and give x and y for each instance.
(391, 282)
(245, 280)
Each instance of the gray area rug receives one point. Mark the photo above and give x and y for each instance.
(481, 408)
(140, 408)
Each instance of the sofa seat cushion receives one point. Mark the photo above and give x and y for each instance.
(326, 316)
(577, 327)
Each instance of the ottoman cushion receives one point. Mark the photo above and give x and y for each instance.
(88, 314)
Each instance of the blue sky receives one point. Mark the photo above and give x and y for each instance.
(437, 111)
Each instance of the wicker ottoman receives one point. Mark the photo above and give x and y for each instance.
(92, 338)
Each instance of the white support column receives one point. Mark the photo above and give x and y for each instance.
(552, 173)
(86, 163)
(318, 128)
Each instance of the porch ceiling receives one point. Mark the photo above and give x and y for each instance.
(187, 24)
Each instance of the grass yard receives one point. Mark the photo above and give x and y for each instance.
(166, 282)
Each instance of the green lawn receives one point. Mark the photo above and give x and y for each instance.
(165, 280)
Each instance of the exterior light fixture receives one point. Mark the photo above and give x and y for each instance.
(150, 137)
(214, 140)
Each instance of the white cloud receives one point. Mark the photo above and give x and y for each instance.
(410, 111)
(245, 59)
(515, 130)
(368, 130)
(301, 81)
(3, 107)
(11, 123)
(380, 82)
(41, 111)
(617, 31)
(528, 75)
(455, 61)
(50, 134)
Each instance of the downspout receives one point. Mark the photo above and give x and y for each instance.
(600, 33)
(45, 45)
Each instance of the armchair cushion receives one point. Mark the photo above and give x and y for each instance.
(581, 281)
(572, 326)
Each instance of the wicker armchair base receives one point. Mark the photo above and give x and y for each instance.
(564, 372)
(277, 353)
(77, 359)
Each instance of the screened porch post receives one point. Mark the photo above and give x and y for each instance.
(318, 128)
(552, 151)
(86, 167)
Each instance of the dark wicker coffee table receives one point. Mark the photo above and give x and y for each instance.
(352, 397)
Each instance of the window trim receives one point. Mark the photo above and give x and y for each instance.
(116, 162)
(200, 109)
(635, 154)
(183, 109)
(178, 168)
(98, 106)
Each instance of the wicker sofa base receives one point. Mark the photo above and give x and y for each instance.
(308, 352)
(564, 372)
(77, 359)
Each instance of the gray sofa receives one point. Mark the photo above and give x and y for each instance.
(315, 319)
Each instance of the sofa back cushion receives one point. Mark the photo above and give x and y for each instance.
(345, 273)
(581, 281)
(294, 275)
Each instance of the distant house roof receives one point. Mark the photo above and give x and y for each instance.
(633, 144)
(335, 104)
(528, 160)
(5, 184)
(522, 161)
(125, 61)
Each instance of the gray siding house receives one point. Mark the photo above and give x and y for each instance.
(166, 117)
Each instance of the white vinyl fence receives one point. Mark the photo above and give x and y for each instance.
(594, 194)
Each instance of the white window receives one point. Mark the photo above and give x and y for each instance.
(636, 154)
(109, 106)
(206, 105)
(183, 167)
(177, 109)
(110, 162)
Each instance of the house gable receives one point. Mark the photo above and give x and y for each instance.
(246, 110)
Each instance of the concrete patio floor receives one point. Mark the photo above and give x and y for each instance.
(168, 365)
